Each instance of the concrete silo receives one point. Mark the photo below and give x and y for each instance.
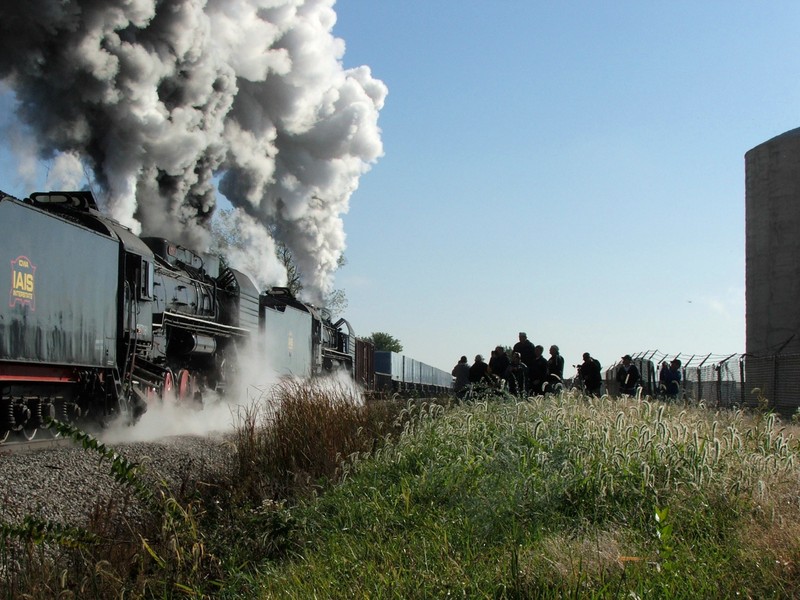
(772, 254)
(772, 246)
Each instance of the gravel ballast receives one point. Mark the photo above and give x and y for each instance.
(66, 483)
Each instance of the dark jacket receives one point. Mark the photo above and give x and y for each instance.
(461, 373)
(628, 379)
(555, 365)
(479, 371)
(499, 364)
(538, 374)
(526, 352)
(591, 373)
(671, 380)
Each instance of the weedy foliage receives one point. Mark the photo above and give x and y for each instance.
(295, 437)
(160, 554)
(558, 496)
(553, 497)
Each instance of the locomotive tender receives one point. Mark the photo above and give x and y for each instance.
(99, 323)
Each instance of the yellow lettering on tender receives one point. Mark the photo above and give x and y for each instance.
(23, 282)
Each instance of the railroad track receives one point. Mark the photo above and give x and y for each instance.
(43, 441)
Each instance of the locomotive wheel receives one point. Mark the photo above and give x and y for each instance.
(185, 385)
(4, 435)
(28, 418)
(168, 388)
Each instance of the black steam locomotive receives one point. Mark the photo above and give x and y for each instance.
(98, 322)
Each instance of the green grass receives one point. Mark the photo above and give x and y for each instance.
(555, 497)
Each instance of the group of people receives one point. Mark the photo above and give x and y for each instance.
(524, 372)
(527, 372)
(669, 377)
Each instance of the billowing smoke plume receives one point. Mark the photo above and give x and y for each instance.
(162, 99)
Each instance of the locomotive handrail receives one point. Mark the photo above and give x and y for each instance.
(332, 352)
(338, 324)
(201, 324)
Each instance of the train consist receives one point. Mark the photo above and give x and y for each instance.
(398, 373)
(99, 323)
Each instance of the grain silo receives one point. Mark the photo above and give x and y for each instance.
(772, 252)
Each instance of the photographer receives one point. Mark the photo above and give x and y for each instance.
(590, 373)
(628, 376)
(669, 379)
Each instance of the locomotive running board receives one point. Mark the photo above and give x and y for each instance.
(201, 325)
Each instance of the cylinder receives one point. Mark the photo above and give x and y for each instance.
(184, 342)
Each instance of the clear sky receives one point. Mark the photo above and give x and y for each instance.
(571, 169)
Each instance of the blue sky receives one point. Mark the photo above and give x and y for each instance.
(573, 170)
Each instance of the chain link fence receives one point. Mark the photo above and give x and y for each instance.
(723, 381)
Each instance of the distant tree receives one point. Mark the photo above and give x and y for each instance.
(384, 341)
(292, 272)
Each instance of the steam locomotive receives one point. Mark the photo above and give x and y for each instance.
(99, 322)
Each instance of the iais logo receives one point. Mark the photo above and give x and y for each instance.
(22, 282)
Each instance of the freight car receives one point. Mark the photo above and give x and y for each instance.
(397, 373)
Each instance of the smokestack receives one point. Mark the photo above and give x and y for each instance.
(160, 98)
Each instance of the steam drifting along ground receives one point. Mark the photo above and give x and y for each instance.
(158, 99)
(255, 387)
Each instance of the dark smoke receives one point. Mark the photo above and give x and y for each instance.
(157, 98)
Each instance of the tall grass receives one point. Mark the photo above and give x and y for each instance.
(296, 436)
(558, 497)
(554, 497)
(191, 541)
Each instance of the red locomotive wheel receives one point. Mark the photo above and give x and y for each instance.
(185, 385)
(168, 388)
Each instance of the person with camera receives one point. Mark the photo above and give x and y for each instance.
(628, 376)
(591, 375)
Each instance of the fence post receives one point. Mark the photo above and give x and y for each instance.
(741, 378)
(776, 385)
(700, 378)
(719, 378)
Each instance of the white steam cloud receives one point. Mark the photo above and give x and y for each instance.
(158, 98)
(255, 394)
